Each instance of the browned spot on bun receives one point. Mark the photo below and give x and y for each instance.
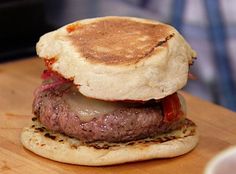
(74, 146)
(119, 41)
(39, 129)
(50, 136)
(34, 118)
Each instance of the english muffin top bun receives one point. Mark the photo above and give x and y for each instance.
(119, 58)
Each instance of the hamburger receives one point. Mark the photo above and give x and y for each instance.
(109, 93)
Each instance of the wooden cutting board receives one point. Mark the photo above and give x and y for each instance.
(18, 80)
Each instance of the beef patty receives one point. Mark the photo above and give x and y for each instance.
(131, 122)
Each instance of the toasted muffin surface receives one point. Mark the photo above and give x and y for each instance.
(119, 58)
(118, 41)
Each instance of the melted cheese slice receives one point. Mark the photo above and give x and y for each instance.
(88, 108)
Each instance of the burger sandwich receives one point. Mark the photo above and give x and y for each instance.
(109, 93)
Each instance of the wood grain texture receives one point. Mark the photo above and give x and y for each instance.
(17, 83)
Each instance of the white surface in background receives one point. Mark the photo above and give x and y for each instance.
(223, 163)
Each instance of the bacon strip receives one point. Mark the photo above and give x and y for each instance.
(53, 79)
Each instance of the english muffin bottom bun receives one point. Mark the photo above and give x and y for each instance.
(59, 147)
(109, 93)
(119, 58)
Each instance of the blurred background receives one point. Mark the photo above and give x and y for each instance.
(208, 25)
